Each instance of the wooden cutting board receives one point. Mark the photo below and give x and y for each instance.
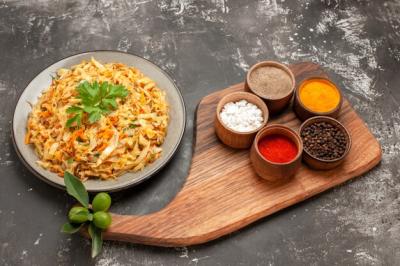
(223, 194)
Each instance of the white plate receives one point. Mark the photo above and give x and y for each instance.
(42, 81)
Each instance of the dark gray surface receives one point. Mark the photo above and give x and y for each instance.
(207, 45)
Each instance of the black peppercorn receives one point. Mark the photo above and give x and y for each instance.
(324, 140)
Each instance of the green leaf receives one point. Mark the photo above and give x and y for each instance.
(70, 160)
(97, 92)
(104, 88)
(79, 119)
(133, 126)
(97, 239)
(118, 91)
(91, 89)
(70, 121)
(90, 109)
(70, 228)
(74, 109)
(75, 119)
(83, 91)
(94, 116)
(76, 189)
(106, 103)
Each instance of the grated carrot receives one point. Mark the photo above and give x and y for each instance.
(101, 147)
(45, 114)
(28, 137)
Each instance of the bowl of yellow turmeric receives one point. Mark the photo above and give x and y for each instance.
(317, 96)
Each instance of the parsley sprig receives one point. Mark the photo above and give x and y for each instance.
(97, 99)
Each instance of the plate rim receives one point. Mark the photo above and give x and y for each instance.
(114, 188)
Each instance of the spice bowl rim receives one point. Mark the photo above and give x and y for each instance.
(275, 64)
(340, 126)
(265, 114)
(299, 143)
(297, 96)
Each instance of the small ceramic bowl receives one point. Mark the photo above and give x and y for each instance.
(230, 137)
(275, 105)
(303, 113)
(273, 171)
(321, 164)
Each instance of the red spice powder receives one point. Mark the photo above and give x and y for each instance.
(277, 148)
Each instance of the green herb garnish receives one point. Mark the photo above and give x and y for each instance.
(95, 217)
(97, 99)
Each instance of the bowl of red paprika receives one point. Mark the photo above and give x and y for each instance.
(276, 153)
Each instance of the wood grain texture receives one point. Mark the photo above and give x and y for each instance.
(223, 194)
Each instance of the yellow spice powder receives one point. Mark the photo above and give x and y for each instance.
(319, 95)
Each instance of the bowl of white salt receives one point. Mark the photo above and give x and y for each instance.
(239, 116)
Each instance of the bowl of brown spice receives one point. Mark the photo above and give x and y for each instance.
(326, 142)
(273, 82)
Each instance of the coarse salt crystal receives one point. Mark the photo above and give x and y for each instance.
(241, 116)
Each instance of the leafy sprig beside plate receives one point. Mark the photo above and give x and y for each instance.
(95, 216)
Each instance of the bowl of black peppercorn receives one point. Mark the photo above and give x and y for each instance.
(326, 142)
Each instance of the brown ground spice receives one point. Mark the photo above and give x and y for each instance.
(270, 82)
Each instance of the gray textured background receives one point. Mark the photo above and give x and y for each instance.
(207, 45)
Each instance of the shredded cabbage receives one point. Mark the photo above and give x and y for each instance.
(128, 139)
